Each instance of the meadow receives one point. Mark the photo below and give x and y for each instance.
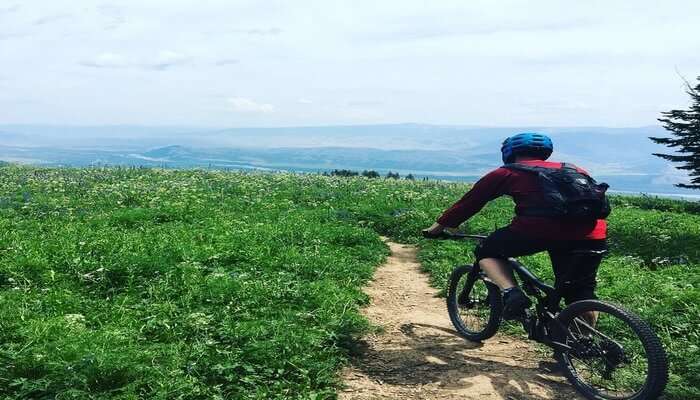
(164, 284)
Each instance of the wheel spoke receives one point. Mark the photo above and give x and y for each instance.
(470, 303)
(608, 357)
(476, 314)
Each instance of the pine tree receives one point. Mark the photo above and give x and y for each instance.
(684, 126)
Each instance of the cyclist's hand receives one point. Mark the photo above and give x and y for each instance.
(434, 231)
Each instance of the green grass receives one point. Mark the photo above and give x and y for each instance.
(136, 283)
(164, 284)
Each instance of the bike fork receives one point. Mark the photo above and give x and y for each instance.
(471, 278)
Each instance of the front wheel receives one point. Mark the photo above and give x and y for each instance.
(474, 304)
(613, 354)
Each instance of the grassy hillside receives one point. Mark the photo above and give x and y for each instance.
(163, 285)
(192, 284)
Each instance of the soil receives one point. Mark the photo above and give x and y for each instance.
(417, 354)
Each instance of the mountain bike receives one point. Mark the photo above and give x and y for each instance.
(616, 356)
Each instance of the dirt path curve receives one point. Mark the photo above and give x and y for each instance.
(418, 355)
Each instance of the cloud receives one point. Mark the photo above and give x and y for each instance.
(364, 103)
(411, 30)
(437, 62)
(226, 61)
(162, 61)
(258, 31)
(113, 16)
(245, 105)
(557, 105)
(167, 59)
(12, 35)
(106, 60)
(51, 18)
(10, 9)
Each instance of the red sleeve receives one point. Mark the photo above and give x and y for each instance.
(491, 186)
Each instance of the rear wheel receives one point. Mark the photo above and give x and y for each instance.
(474, 304)
(616, 357)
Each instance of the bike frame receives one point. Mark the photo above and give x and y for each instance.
(530, 281)
(543, 326)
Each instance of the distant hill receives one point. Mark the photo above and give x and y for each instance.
(622, 156)
(169, 152)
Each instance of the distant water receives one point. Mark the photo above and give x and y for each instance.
(633, 185)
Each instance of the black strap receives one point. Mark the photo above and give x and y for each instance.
(536, 212)
(521, 167)
(537, 170)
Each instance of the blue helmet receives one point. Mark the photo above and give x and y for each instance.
(529, 143)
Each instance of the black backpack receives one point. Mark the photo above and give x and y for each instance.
(568, 194)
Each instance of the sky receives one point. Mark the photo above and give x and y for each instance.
(229, 63)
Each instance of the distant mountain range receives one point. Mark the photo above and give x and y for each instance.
(621, 156)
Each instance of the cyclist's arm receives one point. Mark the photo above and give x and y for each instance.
(491, 186)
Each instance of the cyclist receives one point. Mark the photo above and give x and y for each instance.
(575, 246)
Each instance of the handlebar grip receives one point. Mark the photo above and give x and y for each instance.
(428, 235)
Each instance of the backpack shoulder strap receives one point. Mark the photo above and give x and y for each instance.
(572, 168)
(521, 167)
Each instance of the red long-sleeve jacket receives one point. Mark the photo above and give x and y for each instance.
(524, 189)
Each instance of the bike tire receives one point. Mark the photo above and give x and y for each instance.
(657, 360)
(494, 301)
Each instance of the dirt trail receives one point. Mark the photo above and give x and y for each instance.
(418, 355)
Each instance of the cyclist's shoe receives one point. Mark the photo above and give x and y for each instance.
(515, 302)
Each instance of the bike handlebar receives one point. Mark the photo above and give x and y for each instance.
(444, 235)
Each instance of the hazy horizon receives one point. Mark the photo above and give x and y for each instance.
(623, 156)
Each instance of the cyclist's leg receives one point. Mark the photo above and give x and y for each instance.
(492, 255)
(498, 270)
(575, 265)
(493, 252)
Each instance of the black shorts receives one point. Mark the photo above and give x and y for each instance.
(575, 262)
